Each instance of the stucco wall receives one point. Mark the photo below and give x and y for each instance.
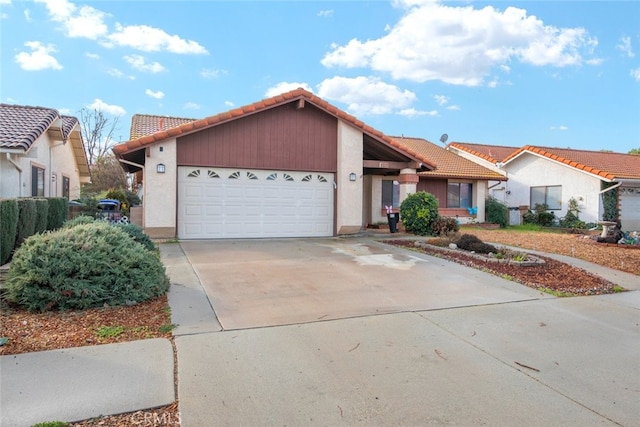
(53, 156)
(349, 196)
(160, 190)
(531, 170)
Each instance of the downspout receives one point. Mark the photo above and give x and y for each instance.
(19, 169)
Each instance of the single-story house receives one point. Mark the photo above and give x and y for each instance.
(539, 175)
(41, 153)
(288, 166)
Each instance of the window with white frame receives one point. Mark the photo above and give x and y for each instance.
(390, 193)
(550, 195)
(459, 194)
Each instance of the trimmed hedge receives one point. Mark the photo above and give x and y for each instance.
(85, 266)
(42, 215)
(8, 227)
(419, 212)
(26, 220)
(57, 215)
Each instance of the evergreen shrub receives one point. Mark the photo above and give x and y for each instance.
(496, 212)
(85, 266)
(26, 220)
(8, 228)
(57, 214)
(419, 212)
(42, 215)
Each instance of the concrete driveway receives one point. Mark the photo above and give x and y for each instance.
(454, 347)
(253, 283)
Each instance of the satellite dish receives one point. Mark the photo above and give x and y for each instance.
(444, 138)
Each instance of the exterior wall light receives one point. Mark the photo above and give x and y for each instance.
(160, 168)
(352, 176)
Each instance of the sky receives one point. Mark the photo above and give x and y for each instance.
(514, 73)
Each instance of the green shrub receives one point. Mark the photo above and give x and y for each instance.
(419, 212)
(138, 235)
(610, 203)
(445, 226)
(540, 216)
(26, 220)
(89, 265)
(42, 215)
(496, 212)
(57, 215)
(79, 220)
(120, 195)
(8, 228)
(472, 243)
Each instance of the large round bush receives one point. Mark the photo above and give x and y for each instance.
(88, 265)
(419, 212)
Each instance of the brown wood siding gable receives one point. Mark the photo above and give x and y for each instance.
(282, 138)
(437, 187)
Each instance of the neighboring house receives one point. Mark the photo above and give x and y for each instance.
(553, 176)
(288, 166)
(459, 184)
(41, 153)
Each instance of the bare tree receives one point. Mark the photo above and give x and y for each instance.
(97, 131)
(106, 174)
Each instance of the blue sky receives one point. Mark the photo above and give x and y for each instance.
(550, 73)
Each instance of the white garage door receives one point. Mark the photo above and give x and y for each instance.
(630, 208)
(238, 203)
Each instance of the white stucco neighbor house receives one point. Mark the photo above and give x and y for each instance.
(288, 166)
(538, 175)
(41, 153)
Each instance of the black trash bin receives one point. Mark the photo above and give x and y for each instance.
(393, 219)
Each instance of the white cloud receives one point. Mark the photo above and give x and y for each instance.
(453, 107)
(27, 15)
(84, 22)
(157, 95)
(560, 128)
(211, 73)
(493, 84)
(114, 72)
(636, 74)
(191, 106)
(412, 112)
(326, 13)
(138, 62)
(366, 95)
(92, 55)
(461, 45)
(283, 87)
(5, 1)
(441, 99)
(625, 46)
(100, 105)
(39, 58)
(505, 68)
(229, 104)
(149, 39)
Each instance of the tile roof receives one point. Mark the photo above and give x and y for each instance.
(448, 164)
(21, 125)
(285, 98)
(145, 124)
(605, 164)
(491, 153)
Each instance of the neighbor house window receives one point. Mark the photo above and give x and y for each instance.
(390, 193)
(65, 187)
(459, 194)
(37, 181)
(550, 195)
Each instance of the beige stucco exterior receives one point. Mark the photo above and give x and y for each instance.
(160, 193)
(349, 195)
(54, 156)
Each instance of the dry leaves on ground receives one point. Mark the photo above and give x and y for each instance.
(29, 331)
(617, 257)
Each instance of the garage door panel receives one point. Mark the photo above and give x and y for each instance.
(253, 204)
